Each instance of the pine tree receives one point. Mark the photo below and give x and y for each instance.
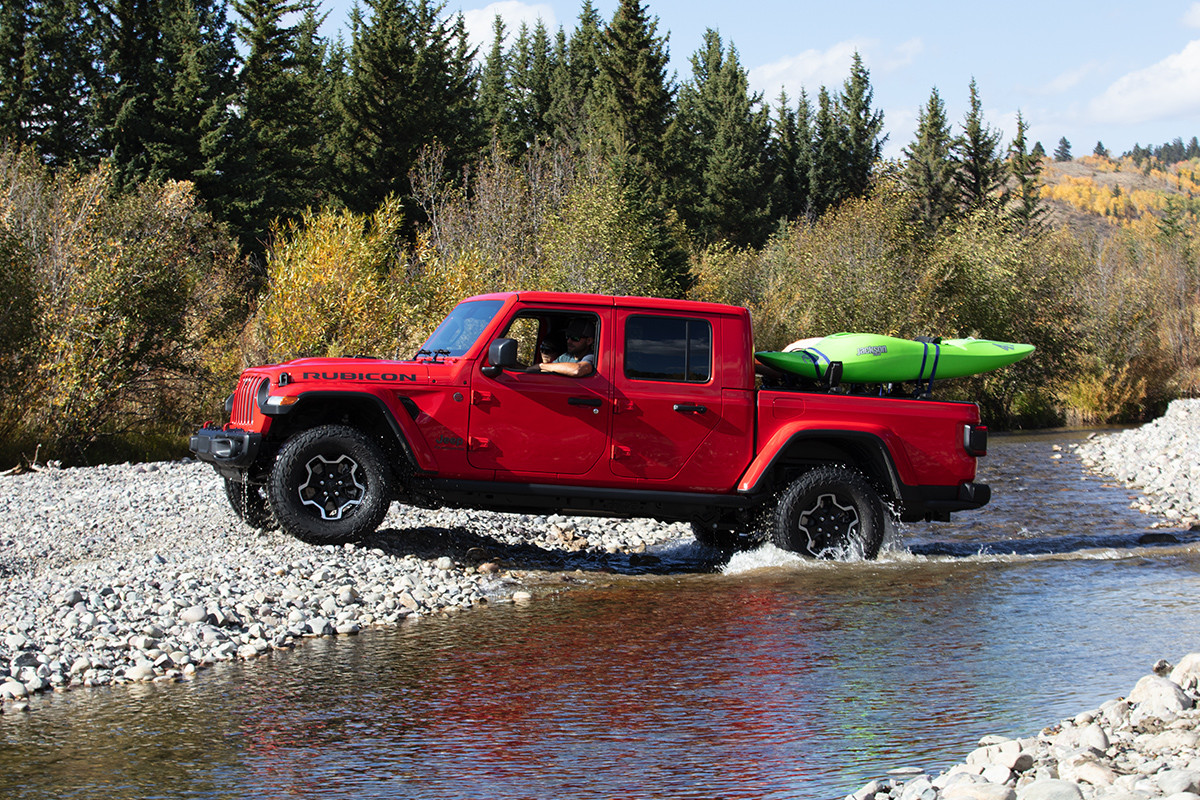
(574, 79)
(530, 69)
(1063, 151)
(131, 53)
(283, 116)
(929, 166)
(980, 170)
(1038, 151)
(495, 105)
(1100, 150)
(826, 170)
(719, 139)
(634, 103)
(863, 141)
(536, 84)
(319, 69)
(410, 81)
(789, 157)
(1027, 210)
(1193, 149)
(167, 81)
(51, 66)
(16, 27)
(196, 87)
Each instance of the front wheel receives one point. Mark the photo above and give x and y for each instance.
(329, 485)
(830, 512)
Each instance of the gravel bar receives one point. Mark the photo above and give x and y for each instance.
(1161, 458)
(141, 572)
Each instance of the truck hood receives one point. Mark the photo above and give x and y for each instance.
(310, 371)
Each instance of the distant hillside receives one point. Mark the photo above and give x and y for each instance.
(1094, 192)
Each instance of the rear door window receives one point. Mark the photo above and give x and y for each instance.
(676, 349)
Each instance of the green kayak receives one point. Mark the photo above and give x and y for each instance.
(871, 358)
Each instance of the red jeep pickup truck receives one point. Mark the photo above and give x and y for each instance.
(667, 423)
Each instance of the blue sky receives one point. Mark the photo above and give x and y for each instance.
(1117, 72)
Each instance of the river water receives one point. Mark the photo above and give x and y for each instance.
(760, 676)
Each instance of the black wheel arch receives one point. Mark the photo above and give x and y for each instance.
(858, 450)
(363, 410)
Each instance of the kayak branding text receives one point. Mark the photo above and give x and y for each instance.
(877, 350)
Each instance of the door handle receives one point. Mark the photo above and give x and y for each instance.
(592, 402)
(686, 408)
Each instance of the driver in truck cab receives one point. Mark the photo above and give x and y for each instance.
(579, 360)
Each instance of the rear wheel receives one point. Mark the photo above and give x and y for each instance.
(830, 512)
(249, 502)
(330, 484)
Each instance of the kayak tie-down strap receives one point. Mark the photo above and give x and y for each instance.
(817, 358)
(937, 351)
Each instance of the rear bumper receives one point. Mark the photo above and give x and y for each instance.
(938, 502)
(232, 451)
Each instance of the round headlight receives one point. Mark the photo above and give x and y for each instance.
(264, 389)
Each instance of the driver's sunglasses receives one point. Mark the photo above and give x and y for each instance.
(576, 338)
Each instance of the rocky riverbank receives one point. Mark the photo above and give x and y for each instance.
(129, 573)
(1143, 746)
(1161, 458)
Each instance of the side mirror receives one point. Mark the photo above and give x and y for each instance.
(502, 354)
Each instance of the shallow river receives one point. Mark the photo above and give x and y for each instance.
(765, 677)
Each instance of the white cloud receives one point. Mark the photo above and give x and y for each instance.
(1065, 81)
(513, 12)
(1167, 90)
(904, 54)
(813, 69)
(1191, 17)
(809, 70)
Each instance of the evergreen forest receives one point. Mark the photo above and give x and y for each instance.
(188, 187)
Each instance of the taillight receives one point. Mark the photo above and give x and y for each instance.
(975, 440)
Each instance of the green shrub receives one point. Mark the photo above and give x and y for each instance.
(124, 305)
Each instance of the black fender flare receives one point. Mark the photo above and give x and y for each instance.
(403, 438)
(863, 450)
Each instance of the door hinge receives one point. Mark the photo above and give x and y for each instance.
(620, 451)
(478, 443)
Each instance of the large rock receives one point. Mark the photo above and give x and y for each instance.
(978, 791)
(1176, 781)
(1153, 696)
(1187, 673)
(1050, 789)
(1084, 768)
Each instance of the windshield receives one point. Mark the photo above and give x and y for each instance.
(461, 328)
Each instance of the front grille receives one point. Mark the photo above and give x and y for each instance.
(243, 400)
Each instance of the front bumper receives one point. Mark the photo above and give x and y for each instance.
(231, 450)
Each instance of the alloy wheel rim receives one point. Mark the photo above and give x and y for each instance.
(828, 524)
(332, 486)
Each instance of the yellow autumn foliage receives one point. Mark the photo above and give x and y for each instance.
(131, 292)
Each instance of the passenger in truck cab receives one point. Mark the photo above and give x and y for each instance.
(551, 348)
(579, 360)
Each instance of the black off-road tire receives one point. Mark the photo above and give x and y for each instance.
(830, 513)
(330, 485)
(249, 502)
